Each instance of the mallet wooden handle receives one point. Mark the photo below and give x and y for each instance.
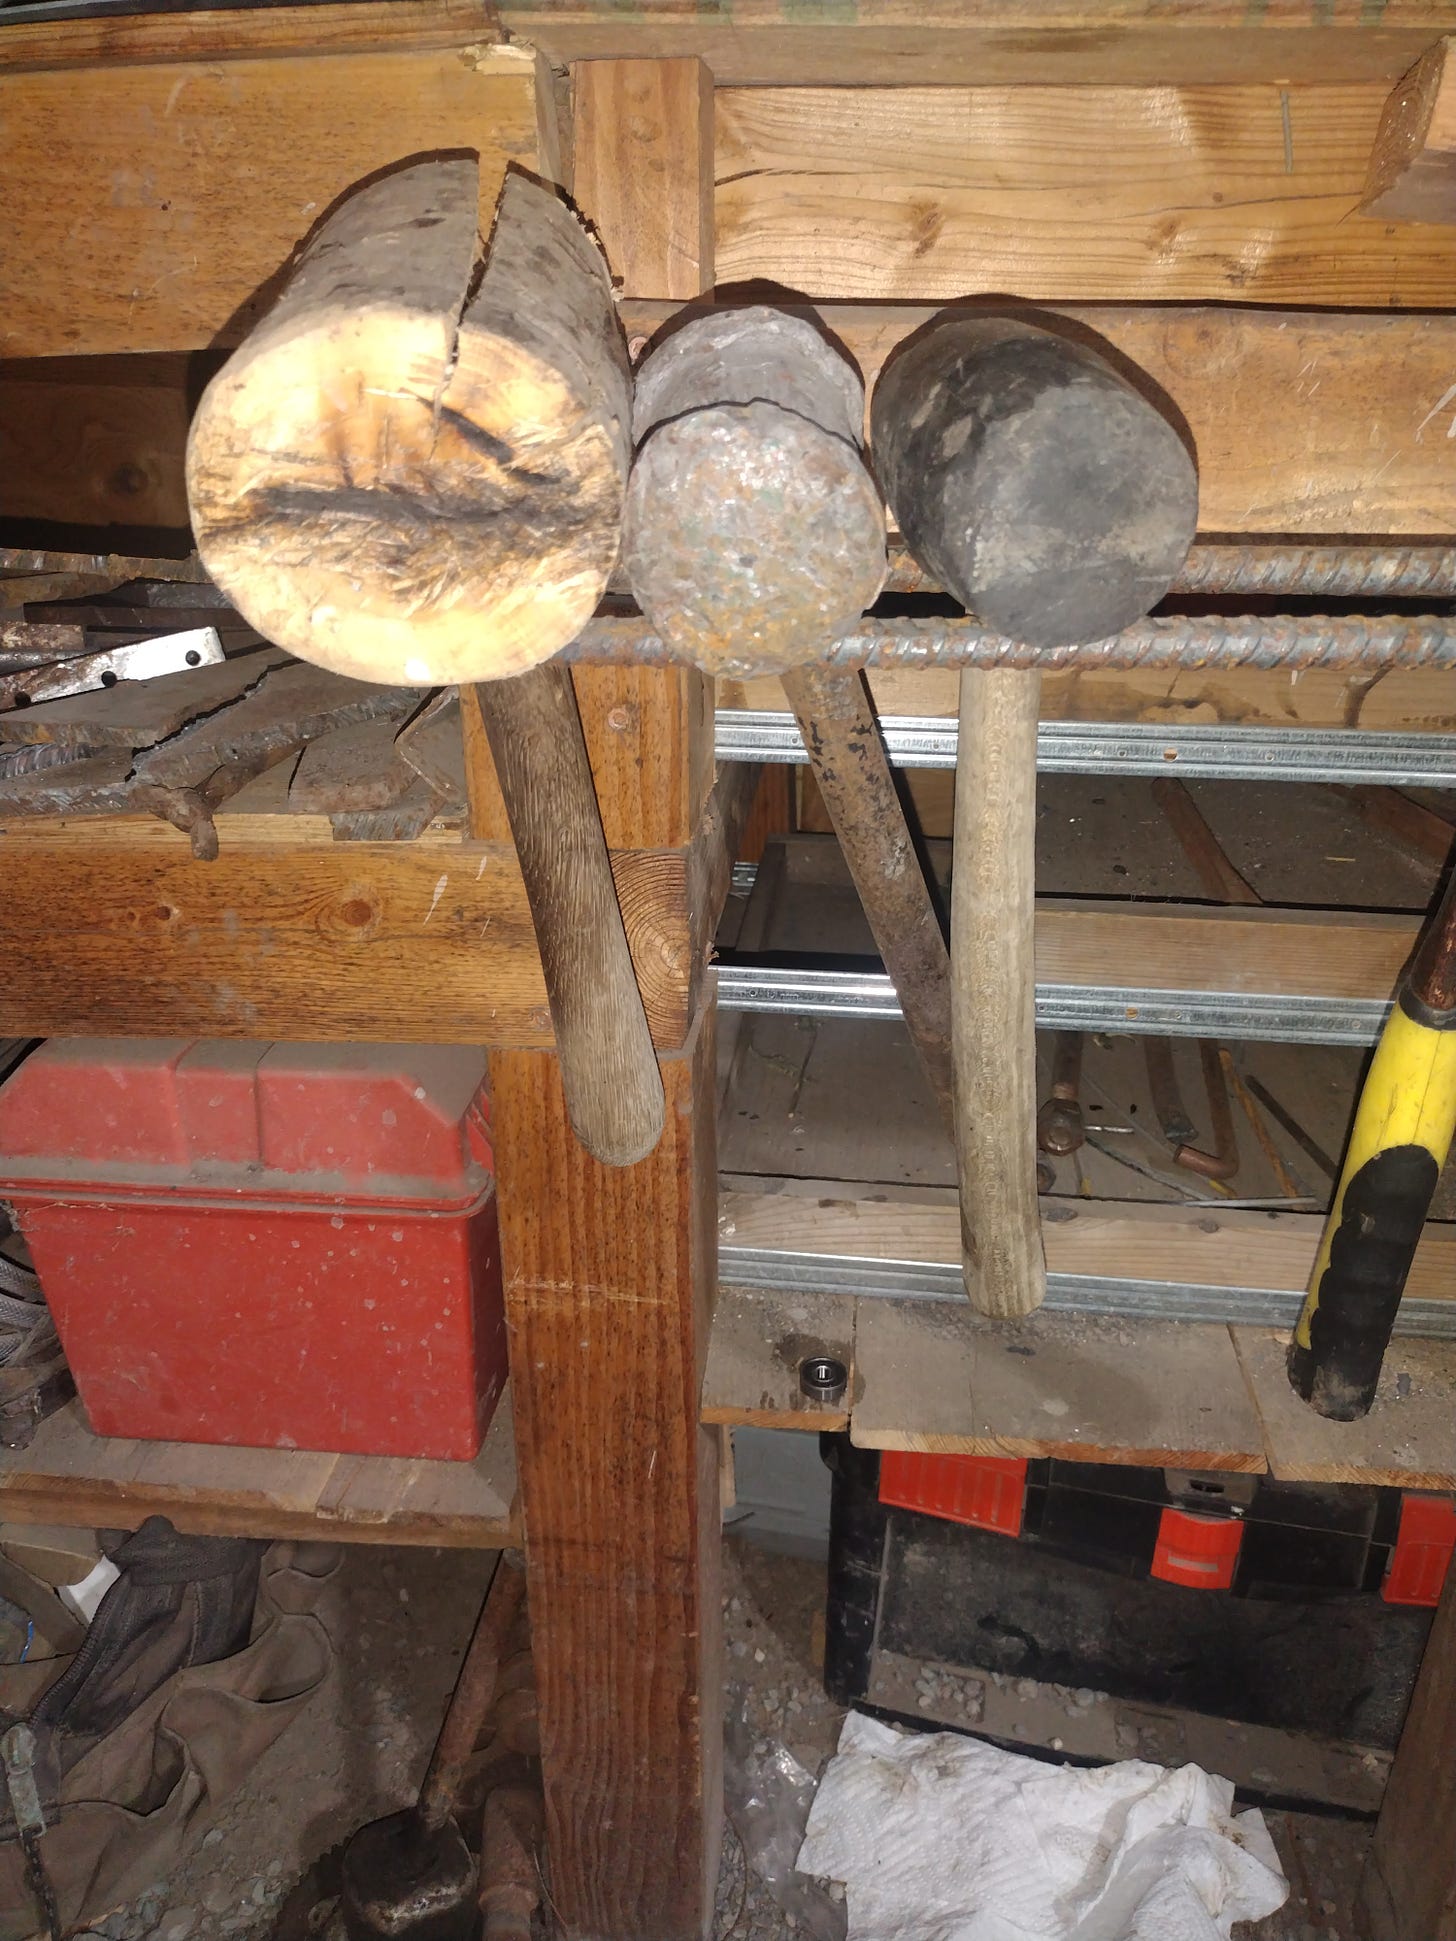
(993, 897)
(608, 1066)
(836, 718)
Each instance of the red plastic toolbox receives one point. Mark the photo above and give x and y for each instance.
(285, 1246)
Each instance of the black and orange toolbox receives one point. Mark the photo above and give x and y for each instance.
(1300, 1606)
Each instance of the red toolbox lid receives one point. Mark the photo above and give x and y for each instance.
(402, 1125)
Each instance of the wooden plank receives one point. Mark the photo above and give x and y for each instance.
(70, 1476)
(644, 147)
(1124, 1240)
(95, 446)
(1054, 193)
(1408, 1892)
(934, 1377)
(1408, 700)
(194, 181)
(609, 1275)
(352, 768)
(1408, 1440)
(758, 1341)
(1128, 43)
(381, 942)
(345, 27)
(1412, 174)
(1352, 410)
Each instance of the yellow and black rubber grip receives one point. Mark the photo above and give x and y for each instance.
(1402, 1133)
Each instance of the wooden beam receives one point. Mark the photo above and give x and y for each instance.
(1412, 173)
(609, 1277)
(610, 1280)
(1352, 410)
(112, 927)
(1125, 43)
(1127, 1240)
(249, 33)
(375, 941)
(153, 205)
(97, 445)
(656, 221)
(1409, 1889)
(1056, 193)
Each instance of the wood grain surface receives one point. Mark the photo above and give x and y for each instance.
(1409, 1889)
(993, 1027)
(880, 43)
(1168, 194)
(1200, 1246)
(655, 221)
(376, 941)
(97, 446)
(239, 160)
(609, 1286)
(1353, 410)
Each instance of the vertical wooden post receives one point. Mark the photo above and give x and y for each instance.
(611, 1273)
(644, 170)
(1409, 1889)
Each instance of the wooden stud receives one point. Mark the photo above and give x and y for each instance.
(610, 1279)
(656, 220)
(1409, 1889)
(609, 1284)
(1412, 175)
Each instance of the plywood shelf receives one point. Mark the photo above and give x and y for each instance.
(69, 1475)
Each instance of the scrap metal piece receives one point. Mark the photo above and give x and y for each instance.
(143, 660)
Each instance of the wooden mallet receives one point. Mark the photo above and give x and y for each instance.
(1056, 501)
(413, 471)
(754, 537)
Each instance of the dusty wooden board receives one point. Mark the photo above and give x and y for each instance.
(1348, 406)
(1408, 1440)
(1196, 1246)
(1099, 193)
(239, 160)
(137, 714)
(757, 1343)
(404, 820)
(70, 1476)
(1129, 43)
(934, 1377)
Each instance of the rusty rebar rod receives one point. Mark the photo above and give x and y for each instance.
(1274, 571)
(1357, 642)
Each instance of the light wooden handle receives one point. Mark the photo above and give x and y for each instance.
(608, 1066)
(993, 888)
(837, 720)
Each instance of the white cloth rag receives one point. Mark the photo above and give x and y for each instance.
(942, 1838)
